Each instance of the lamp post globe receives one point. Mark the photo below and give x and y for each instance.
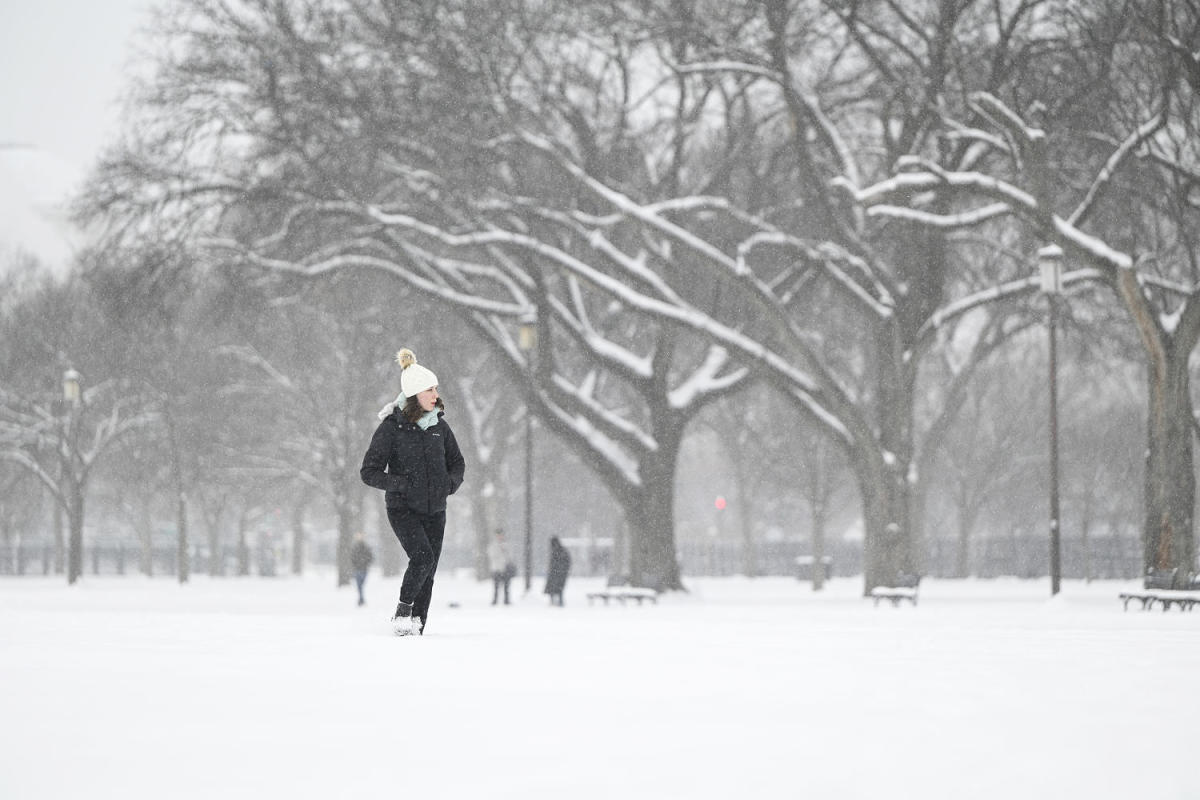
(71, 386)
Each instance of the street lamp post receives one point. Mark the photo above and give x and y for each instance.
(72, 396)
(1050, 264)
(527, 341)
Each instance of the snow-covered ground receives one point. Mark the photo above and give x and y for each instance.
(137, 688)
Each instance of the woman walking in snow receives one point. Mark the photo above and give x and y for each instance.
(415, 459)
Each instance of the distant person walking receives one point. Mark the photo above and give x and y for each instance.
(415, 459)
(556, 576)
(501, 566)
(360, 560)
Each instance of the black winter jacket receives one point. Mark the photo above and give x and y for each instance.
(416, 469)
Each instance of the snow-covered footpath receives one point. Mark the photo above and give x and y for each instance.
(141, 688)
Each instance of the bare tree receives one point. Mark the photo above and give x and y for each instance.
(320, 366)
(59, 441)
(1117, 194)
(661, 199)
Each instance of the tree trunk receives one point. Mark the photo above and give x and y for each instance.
(13, 547)
(651, 514)
(183, 562)
(182, 556)
(216, 556)
(890, 549)
(1170, 493)
(485, 517)
(75, 542)
(886, 543)
(819, 514)
(60, 548)
(745, 523)
(1085, 528)
(345, 503)
(298, 538)
(145, 531)
(966, 521)
(243, 549)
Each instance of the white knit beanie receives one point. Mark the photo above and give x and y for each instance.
(415, 378)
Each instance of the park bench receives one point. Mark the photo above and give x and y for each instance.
(623, 594)
(1159, 587)
(904, 588)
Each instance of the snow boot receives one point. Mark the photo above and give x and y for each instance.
(402, 621)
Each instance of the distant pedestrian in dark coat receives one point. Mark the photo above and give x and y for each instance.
(415, 459)
(360, 560)
(560, 566)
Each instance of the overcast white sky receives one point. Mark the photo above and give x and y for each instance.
(62, 64)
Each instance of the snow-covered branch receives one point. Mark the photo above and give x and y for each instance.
(994, 109)
(624, 361)
(962, 219)
(705, 380)
(847, 165)
(471, 301)
(1017, 199)
(1118, 156)
(907, 183)
(612, 425)
(23, 459)
(829, 256)
(611, 453)
(1016, 288)
(631, 208)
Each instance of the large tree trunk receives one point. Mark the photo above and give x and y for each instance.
(1170, 490)
(886, 544)
(651, 514)
(888, 531)
(1170, 497)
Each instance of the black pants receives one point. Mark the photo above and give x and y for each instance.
(421, 537)
(500, 579)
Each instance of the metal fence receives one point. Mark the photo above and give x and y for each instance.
(1023, 555)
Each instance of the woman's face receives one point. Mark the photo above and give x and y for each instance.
(428, 399)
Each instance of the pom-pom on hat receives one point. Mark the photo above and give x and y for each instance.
(415, 378)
